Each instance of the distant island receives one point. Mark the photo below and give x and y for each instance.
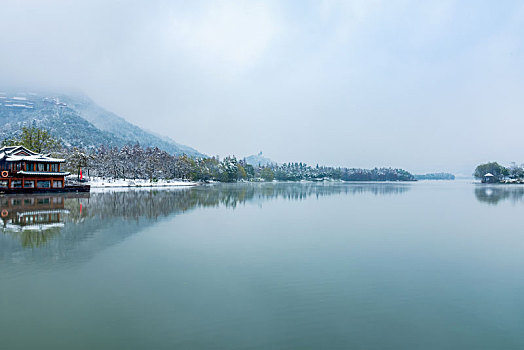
(435, 176)
(493, 172)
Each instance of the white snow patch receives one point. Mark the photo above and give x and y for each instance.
(98, 182)
(18, 105)
(34, 227)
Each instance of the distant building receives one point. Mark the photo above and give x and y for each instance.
(489, 178)
(26, 171)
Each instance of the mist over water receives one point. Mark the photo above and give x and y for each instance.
(389, 265)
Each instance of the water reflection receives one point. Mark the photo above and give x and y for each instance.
(494, 194)
(34, 219)
(234, 194)
(61, 223)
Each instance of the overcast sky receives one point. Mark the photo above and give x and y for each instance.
(422, 85)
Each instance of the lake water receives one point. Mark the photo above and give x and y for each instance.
(427, 265)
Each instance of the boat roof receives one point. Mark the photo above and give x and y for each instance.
(21, 153)
(58, 173)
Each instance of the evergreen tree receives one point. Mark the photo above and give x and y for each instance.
(35, 139)
(267, 174)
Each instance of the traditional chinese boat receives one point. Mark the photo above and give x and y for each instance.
(25, 171)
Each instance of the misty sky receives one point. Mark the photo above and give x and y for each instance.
(422, 85)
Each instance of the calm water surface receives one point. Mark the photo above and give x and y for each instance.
(428, 265)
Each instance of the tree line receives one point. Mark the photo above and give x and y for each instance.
(152, 163)
(435, 176)
(135, 162)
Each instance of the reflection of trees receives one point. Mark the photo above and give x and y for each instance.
(87, 213)
(495, 194)
(151, 204)
(34, 238)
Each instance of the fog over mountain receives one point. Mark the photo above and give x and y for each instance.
(77, 121)
(426, 86)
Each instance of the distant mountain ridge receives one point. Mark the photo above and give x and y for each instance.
(78, 122)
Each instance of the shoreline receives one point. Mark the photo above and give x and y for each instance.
(98, 183)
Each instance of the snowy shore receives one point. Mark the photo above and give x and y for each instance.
(110, 183)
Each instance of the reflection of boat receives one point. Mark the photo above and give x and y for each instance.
(37, 212)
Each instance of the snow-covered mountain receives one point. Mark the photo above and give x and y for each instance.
(77, 121)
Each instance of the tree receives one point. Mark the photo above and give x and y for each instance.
(152, 163)
(77, 159)
(183, 167)
(267, 174)
(250, 171)
(493, 167)
(35, 139)
(228, 170)
(241, 172)
(515, 171)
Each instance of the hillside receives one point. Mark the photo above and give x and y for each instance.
(78, 122)
(258, 160)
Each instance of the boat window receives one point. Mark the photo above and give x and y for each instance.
(3, 183)
(43, 184)
(40, 167)
(29, 184)
(16, 184)
(57, 184)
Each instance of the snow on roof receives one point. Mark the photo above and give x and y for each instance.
(39, 212)
(60, 173)
(10, 153)
(18, 105)
(489, 174)
(36, 158)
